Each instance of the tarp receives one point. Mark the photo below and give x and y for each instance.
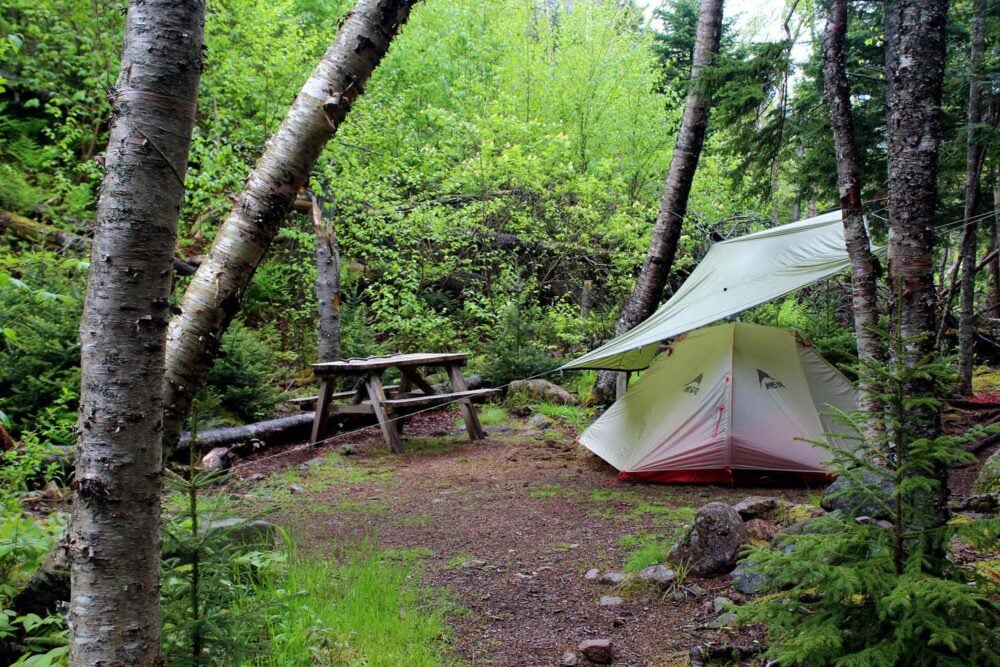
(732, 397)
(734, 275)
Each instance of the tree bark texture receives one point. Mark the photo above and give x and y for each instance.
(648, 290)
(974, 152)
(216, 290)
(327, 286)
(863, 273)
(994, 298)
(114, 540)
(915, 36)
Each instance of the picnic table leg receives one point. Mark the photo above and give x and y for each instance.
(376, 394)
(465, 406)
(322, 411)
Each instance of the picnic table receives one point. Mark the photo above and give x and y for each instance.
(391, 405)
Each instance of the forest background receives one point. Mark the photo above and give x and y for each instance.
(494, 189)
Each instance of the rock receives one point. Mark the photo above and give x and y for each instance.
(498, 429)
(724, 621)
(598, 651)
(295, 488)
(721, 603)
(612, 578)
(569, 659)
(611, 601)
(216, 460)
(759, 507)
(760, 531)
(658, 574)
(473, 564)
(347, 449)
(746, 579)
(713, 542)
(988, 480)
(592, 574)
(543, 390)
(696, 590)
(540, 423)
(863, 492)
(801, 513)
(987, 503)
(243, 531)
(256, 477)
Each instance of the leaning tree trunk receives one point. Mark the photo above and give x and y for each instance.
(673, 205)
(974, 152)
(216, 291)
(994, 299)
(114, 538)
(327, 286)
(863, 273)
(915, 37)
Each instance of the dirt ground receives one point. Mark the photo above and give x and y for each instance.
(508, 527)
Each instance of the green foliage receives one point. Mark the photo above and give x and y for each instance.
(241, 373)
(645, 550)
(360, 608)
(854, 593)
(41, 299)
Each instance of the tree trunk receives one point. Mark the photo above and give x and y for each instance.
(114, 539)
(673, 205)
(216, 292)
(327, 286)
(994, 301)
(974, 153)
(863, 274)
(915, 39)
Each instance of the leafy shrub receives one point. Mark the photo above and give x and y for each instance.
(41, 300)
(239, 378)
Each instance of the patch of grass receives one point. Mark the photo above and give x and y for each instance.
(570, 415)
(362, 610)
(492, 414)
(669, 514)
(432, 444)
(650, 550)
(407, 555)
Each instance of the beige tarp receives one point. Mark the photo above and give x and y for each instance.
(727, 397)
(734, 275)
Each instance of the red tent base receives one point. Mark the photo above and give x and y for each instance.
(729, 477)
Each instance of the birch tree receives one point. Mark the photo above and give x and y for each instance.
(652, 279)
(216, 291)
(114, 542)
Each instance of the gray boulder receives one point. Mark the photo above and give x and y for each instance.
(746, 579)
(713, 541)
(760, 507)
(862, 493)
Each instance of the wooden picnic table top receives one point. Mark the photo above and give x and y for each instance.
(359, 366)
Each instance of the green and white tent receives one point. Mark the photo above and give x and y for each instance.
(728, 398)
(723, 400)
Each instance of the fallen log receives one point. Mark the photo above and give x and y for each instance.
(295, 428)
(39, 233)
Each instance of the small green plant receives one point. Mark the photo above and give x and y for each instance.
(492, 415)
(457, 561)
(240, 377)
(570, 415)
(645, 550)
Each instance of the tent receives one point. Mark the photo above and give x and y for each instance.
(721, 401)
(734, 275)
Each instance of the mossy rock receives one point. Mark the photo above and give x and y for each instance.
(989, 476)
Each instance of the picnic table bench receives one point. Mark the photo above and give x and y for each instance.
(391, 404)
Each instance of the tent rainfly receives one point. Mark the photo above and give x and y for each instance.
(722, 401)
(734, 275)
